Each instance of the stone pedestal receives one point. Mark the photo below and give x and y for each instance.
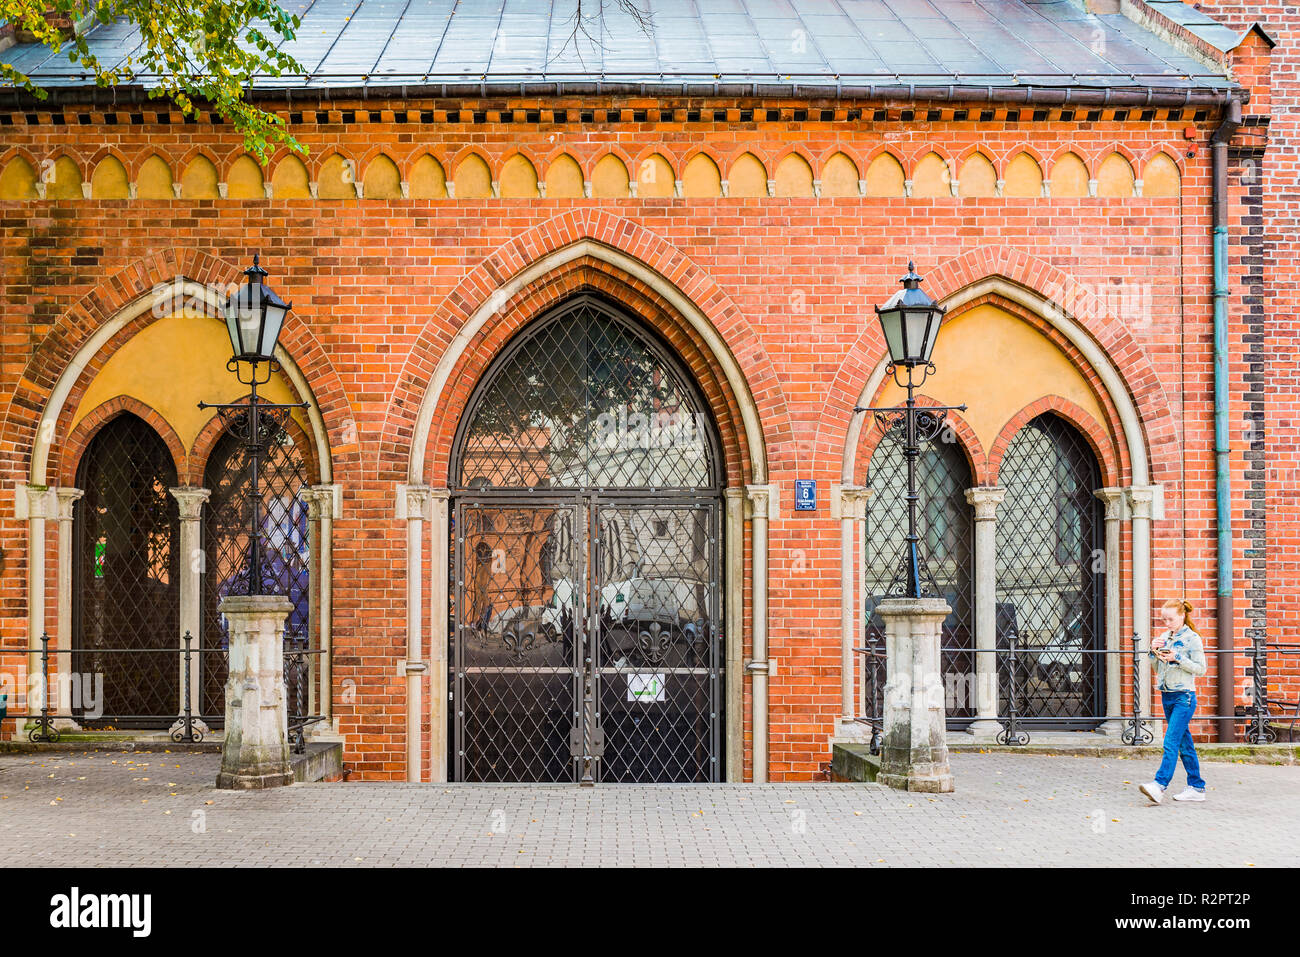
(914, 756)
(256, 749)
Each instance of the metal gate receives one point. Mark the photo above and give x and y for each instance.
(285, 565)
(571, 664)
(125, 577)
(586, 620)
(1051, 578)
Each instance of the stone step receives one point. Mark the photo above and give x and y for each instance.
(322, 761)
(851, 761)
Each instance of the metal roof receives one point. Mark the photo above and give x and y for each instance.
(1200, 25)
(801, 43)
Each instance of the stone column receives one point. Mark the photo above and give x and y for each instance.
(192, 565)
(312, 501)
(439, 608)
(760, 503)
(417, 510)
(256, 750)
(985, 501)
(852, 513)
(914, 754)
(1114, 499)
(36, 501)
(1141, 499)
(66, 499)
(323, 502)
(328, 501)
(733, 606)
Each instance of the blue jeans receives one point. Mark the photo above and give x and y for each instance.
(1179, 707)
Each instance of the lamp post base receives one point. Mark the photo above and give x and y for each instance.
(914, 752)
(255, 753)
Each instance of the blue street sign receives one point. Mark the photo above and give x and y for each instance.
(805, 495)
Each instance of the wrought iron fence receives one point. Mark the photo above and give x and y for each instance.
(188, 724)
(1026, 672)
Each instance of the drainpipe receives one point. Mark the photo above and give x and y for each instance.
(1222, 479)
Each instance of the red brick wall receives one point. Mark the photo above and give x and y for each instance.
(1269, 171)
(380, 286)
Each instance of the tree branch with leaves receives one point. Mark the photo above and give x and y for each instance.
(193, 52)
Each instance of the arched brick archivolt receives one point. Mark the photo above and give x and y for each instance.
(94, 421)
(1098, 439)
(1097, 343)
(573, 278)
(38, 418)
(648, 264)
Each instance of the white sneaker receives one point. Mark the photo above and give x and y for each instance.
(1153, 791)
(1191, 794)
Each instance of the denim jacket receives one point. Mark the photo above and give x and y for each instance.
(1189, 661)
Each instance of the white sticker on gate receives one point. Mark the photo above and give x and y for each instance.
(645, 687)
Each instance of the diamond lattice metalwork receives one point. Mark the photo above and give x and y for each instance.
(283, 479)
(127, 592)
(515, 647)
(945, 525)
(583, 401)
(658, 645)
(1050, 576)
(586, 625)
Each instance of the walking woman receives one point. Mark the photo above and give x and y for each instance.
(1179, 658)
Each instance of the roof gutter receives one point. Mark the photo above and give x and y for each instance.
(1025, 93)
(1226, 641)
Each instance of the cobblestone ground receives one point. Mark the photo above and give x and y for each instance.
(149, 809)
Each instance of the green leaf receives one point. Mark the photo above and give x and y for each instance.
(193, 51)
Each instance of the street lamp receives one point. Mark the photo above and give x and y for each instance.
(910, 321)
(254, 316)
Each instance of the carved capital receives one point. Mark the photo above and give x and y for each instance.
(985, 499)
(66, 498)
(760, 500)
(40, 503)
(190, 499)
(323, 501)
(1141, 501)
(853, 501)
(418, 502)
(1114, 499)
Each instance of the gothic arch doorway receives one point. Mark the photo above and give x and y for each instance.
(126, 576)
(586, 603)
(1051, 577)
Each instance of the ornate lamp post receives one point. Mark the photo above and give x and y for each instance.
(914, 753)
(255, 753)
(254, 317)
(910, 321)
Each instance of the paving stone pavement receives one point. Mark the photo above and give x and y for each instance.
(161, 809)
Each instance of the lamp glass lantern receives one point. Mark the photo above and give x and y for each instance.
(254, 317)
(910, 321)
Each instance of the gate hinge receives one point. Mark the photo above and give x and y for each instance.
(597, 743)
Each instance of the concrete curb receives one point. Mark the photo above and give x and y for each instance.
(1278, 754)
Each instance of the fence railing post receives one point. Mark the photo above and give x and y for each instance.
(1011, 732)
(189, 707)
(877, 714)
(44, 730)
(1137, 733)
(1259, 731)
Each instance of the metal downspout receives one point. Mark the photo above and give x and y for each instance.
(1226, 644)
